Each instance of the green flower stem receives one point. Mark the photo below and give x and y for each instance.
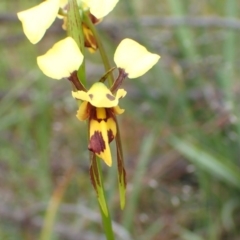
(102, 51)
(106, 219)
(74, 29)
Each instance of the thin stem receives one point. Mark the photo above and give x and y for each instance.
(105, 76)
(102, 51)
(74, 29)
(106, 220)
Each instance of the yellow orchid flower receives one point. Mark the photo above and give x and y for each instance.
(38, 19)
(134, 58)
(61, 60)
(100, 106)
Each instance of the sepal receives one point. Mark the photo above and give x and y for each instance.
(97, 183)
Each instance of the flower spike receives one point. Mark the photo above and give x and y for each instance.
(38, 19)
(61, 60)
(134, 58)
(98, 105)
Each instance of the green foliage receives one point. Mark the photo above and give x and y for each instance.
(180, 130)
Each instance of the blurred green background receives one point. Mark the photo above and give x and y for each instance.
(180, 130)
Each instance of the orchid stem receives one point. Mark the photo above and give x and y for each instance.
(74, 29)
(102, 51)
(106, 219)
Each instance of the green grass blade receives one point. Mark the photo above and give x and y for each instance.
(222, 169)
(155, 228)
(188, 235)
(183, 34)
(144, 158)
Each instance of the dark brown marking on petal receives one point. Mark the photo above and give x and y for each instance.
(96, 143)
(110, 97)
(93, 113)
(110, 135)
(91, 96)
(76, 82)
(109, 113)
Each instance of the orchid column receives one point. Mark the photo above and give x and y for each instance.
(99, 105)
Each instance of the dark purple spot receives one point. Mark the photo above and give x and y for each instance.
(110, 97)
(110, 135)
(96, 143)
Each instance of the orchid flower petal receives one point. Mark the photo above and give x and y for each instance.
(38, 19)
(61, 60)
(83, 113)
(134, 58)
(112, 129)
(120, 93)
(81, 95)
(98, 142)
(118, 110)
(100, 8)
(99, 96)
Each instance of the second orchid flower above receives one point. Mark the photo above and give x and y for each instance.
(38, 19)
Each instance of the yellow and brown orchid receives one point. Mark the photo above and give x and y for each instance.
(100, 104)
